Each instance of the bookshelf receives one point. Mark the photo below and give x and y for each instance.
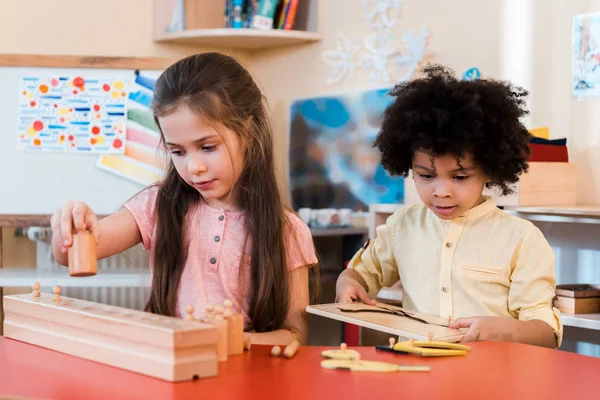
(307, 28)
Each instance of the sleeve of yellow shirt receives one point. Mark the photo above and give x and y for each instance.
(533, 283)
(375, 262)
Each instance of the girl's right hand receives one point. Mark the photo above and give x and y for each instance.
(74, 216)
(349, 290)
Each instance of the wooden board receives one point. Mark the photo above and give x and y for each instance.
(168, 348)
(390, 323)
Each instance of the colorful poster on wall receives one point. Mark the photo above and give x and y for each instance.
(332, 161)
(141, 159)
(585, 56)
(72, 114)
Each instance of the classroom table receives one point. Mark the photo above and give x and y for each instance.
(491, 370)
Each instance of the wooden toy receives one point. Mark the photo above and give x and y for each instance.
(390, 319)
(168, 348)
(276, 351)
(372, 366)
(247, 343)
(221, 325)
(82, 255)
(291, 349)
(235, 330)
(430, 348)
(340, 354)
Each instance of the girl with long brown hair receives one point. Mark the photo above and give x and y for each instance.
(216, 224)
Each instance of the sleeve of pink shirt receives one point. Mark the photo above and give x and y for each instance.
(143, 208)
(300, 249)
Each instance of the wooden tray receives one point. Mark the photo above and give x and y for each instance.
(390, 323)
(578, 291)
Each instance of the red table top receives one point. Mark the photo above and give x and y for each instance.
(489, 371)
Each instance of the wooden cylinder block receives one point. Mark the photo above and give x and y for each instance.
(82, 255)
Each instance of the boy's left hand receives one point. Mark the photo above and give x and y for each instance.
(485, 328)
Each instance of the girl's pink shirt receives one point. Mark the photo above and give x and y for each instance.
(216, 238)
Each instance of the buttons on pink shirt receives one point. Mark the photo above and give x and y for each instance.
(221, 217)
(217, 238)
(213, 260)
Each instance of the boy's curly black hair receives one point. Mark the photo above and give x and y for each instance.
(440, 114)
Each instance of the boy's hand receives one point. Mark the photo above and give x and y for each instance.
(349, 290)
(73, 216)
(485, 328)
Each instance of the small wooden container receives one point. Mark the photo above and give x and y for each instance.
(578, 299)
(82, 255)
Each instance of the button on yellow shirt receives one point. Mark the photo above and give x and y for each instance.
(484, 263)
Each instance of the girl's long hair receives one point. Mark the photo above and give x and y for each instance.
(222, 92)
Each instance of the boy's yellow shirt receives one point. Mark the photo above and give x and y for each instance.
(484, 263)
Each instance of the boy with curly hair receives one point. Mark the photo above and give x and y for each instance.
(457, 255)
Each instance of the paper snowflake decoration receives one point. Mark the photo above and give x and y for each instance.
(382, 13)
(378, 50)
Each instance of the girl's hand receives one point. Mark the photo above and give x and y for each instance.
(349, 290)
(486, 328)
(72, 217)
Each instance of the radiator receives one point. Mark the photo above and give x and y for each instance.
(128, 297)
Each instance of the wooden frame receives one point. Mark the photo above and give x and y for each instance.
(389, 323)
(59, 61)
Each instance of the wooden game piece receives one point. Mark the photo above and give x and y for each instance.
(372, 366)
(168, 348)
(56, 293)
(392, 342)
(291, 349)
(430, 337)
(411, 342)
(235, 331)
(342, 354)
(82, 258)
(189, 313)
(431, 349)
(222, 348)
(276, 351)
(247, 343)
(36, 289)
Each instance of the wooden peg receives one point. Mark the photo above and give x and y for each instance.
(276, 351)
(291, 349)
(222, 348)
(82, 255)
(392, 342)
(411, 342)
(36, 289)
(356, 358)
(343, 347)
(56, 292)
(189, 313)
(235, 332)
(430, 337)
(247, 343)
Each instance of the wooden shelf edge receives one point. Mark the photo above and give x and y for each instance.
(242, 39)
